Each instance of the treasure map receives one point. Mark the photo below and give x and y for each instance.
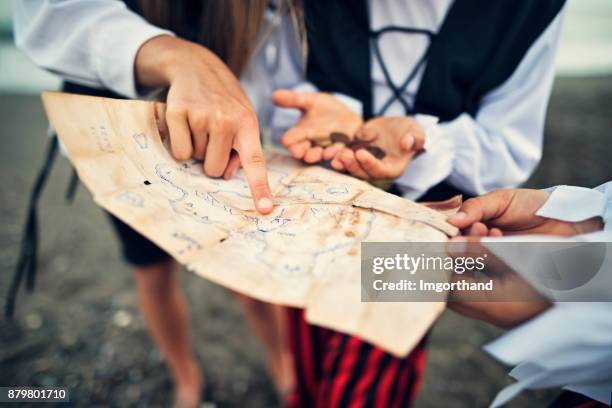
(305, 254)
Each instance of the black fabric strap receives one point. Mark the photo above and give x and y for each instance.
(478, 47)
(73, 184)
(398, 90)
(338, 33)
(28, 254)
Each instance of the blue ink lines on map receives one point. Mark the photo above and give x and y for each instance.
(183, 205)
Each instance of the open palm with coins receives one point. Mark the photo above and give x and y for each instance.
(379, 149)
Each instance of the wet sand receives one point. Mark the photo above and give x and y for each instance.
(81, 328)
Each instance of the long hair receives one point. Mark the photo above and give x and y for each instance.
(229, 28)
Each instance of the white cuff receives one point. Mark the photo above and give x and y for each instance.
(568, 345)
(434, 165)
(116, 53)
(573, 204)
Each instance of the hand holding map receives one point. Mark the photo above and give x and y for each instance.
(305, 253)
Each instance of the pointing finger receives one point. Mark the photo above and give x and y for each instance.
(254, 164)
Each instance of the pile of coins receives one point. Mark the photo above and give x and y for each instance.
(355, 144)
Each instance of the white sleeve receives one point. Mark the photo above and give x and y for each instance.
(569, 346)
(501, 146)
(573, 204)
(279, 64)
(90, 42)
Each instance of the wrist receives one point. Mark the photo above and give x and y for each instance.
(163, 58)
(583, 208)
(586, 227)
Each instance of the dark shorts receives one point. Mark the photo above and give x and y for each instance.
(136, 249)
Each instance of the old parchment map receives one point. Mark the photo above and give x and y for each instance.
(306, 253)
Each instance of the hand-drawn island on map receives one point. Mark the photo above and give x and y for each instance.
(306, 253)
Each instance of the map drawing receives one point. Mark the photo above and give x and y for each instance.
(306, 253)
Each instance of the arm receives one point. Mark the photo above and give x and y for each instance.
(499, 147)
(502, 144)
(101, 43)
(561, 211)
(575, 204)
(569, 346)
(93, 43)
(526, 215)
(570, 343)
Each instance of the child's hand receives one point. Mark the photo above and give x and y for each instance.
(512, 212)
(322, 115)
(512, 302)
(401, 138)
(208, 116)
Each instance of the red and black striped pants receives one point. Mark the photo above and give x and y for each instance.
(336, 370)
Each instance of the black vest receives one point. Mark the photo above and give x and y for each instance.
(478, 47)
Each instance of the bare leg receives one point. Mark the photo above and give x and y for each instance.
(164, 308)
(268, 323)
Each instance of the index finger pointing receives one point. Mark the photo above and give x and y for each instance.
(254, 163)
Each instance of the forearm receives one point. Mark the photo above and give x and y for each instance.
(159, 59)
(93, 43)
(567, 346)
(501, 144)
(162, 59)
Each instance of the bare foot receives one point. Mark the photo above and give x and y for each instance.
(189, 388)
